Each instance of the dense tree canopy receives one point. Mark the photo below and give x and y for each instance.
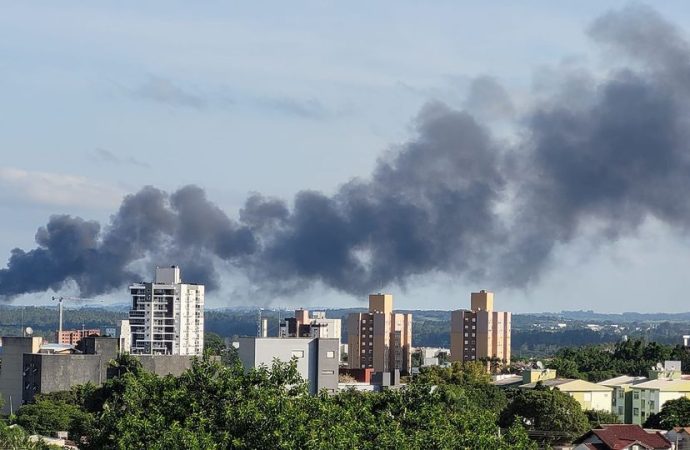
(219, 406)
(632, 357)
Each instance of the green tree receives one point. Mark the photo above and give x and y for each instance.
(46, 417)
(15, 437)
(213, 344)
(597, 418)
(217, 406)
(674, 413)
(549, 411)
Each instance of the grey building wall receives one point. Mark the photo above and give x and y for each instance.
(317, 358)
(41, 373)
(11, 373)
(44, 373)
(328, 363)
(166, 364)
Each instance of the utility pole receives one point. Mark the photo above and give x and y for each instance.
(59, 300)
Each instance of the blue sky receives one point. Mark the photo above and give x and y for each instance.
(100, 99)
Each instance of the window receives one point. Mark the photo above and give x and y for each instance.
(330, 354)
(636, 395)
(298, 353)
(636, 411)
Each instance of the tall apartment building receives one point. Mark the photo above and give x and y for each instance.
(316, 326)
(167, 315)
(380, 339)
(480, 333)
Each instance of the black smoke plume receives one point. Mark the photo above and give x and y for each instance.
(599, 157)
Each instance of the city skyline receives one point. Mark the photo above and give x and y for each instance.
(215, 98)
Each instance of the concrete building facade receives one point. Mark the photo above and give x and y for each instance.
(317, 358)
(649, 397)
(480, 333)
(30, 367)
(621, 397)
(11, 372)
(167, 316)
(380, 338)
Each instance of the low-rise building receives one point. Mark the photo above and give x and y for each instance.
(621, 397)
(317, 358)
(679, 437)
(649, 397)
(588, 395)
(30, 367)
(71, 337)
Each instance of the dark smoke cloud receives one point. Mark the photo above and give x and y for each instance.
(597, 158)
(613, 159)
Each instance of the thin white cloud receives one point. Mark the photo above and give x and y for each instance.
(106, 156)
(56, 189)
(163, 90)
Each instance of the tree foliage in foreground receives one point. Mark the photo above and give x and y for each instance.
(216, 406)
(598, 418)
(549, 414)
(15, 438)
(674, 413)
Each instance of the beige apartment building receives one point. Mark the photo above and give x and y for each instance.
(380, 339)
(480, 333)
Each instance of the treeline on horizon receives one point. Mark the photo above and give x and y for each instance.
(430, 328)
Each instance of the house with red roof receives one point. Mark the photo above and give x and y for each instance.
(622, 437)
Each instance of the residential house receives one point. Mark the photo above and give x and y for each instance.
(622, 437)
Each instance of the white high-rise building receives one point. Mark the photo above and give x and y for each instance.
(167, 316)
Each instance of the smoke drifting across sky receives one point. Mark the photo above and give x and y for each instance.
(596, 157)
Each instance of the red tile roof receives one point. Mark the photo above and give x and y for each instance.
(622, 436)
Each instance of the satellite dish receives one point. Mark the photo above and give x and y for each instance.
(29, 331)
(540, 365)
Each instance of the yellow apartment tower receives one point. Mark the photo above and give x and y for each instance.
(480, 334)
(380, 339)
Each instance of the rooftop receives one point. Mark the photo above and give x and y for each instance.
(623, 379)
(665, 385)
(568, 384)
(619, 436)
